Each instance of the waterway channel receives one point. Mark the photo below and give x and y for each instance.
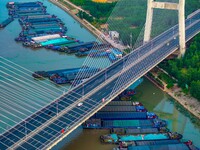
(153, 99)
(179, 120)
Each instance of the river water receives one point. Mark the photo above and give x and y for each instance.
(153, 99)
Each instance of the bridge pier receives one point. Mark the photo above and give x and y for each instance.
(151, 4)
(182, 41)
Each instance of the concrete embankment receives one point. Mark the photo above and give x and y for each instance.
(188, 102)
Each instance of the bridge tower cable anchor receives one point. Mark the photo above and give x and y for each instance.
(151, 4)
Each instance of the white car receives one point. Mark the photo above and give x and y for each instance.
(80, 104)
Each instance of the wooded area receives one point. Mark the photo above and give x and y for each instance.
(187, 69)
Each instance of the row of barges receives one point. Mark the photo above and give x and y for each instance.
(67, 75)
(133, 128)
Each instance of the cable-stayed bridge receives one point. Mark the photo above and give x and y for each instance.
(42, 130)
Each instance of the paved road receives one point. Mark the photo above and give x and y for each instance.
(138, 63)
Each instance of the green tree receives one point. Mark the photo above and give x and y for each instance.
(195, 89)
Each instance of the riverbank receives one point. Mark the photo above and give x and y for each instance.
(90, 28)
(188, 102)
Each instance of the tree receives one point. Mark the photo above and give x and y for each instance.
(195, 89)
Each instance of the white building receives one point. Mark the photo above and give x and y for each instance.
(114, 35)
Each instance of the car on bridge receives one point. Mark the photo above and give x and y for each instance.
(80, 104)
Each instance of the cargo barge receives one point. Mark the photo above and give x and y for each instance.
(123, 103)
(115, 139)
(123, 131)
(23, 4)
(86, 53)
(147, 143)
(94, 123)
(39, 20)
(66, 75)
(84, 46)
(176, 146)
(124, 109)
(129, 115)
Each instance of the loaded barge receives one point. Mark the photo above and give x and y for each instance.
(176, 146)
(114, 138)
(123, 115)
(130, 108)
(123, 131)
(94, 123)
(149, 142)
(66, 75)
(156, 144)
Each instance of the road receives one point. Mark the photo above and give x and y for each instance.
(65, 114)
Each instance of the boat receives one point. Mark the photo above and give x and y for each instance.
(76, 48)
(114, 138)
(66, 75)
(132, 124)
(149, 142)
(130, 108)
(124, 113)
(177, 146)
(123, 131)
